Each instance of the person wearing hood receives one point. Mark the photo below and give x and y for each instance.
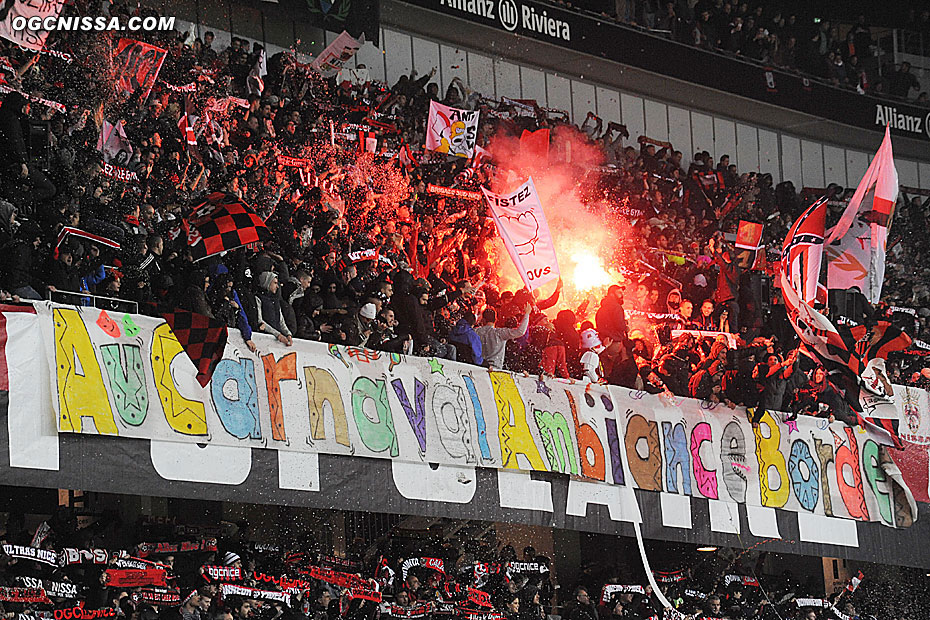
(224, 299)
(611, 324)
(466, 340)
(270, 316)
(14, 155)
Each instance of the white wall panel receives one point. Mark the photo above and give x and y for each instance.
(425, 57)
(633, 116)
(656, 120)
(702, 135)
(397, 55)
(533, 85)
(791, 160)
(453, 62)
(608, 105)
(725, 141)
(908, 173)
(507, 79)
(924, 175)
(812, 164)
(373, 58)
(747, 148)
(583, 101)
(769, 158)
(834, 165)
(679, 133)
(481, 74)
(857, 163)
(559, 93)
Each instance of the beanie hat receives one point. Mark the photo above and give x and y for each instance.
(230, 557)
(265, 279)
(590, 339)
(368, 311)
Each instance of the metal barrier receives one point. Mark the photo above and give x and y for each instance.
(95, 301)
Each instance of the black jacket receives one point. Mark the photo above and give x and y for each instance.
(13, 151)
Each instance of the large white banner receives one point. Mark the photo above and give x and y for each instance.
(125, 376)
(14, 12)
(522, 225)
(451, 131)
(336, 55)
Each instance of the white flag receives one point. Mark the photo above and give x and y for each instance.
(856, 245)
(34, 40)
(522, 225)
(451, 131)
(336, 55)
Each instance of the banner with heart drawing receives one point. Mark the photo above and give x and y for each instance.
(522, 225)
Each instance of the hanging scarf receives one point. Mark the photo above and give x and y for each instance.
(23, 595)
(229, 589)
(45, 556)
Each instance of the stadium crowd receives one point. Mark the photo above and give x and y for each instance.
(361, 253)
(219, 571)
(847, 56)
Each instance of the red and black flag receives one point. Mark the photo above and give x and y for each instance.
(367, 142)
(186, 125)
(223, 223)
(202, 338)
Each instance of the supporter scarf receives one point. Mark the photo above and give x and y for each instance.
(137, 563)
(535, 568)
(135, 577)
(293, 162)
(695, 594)
(610, 589)
(58, 589)
(291, 586)
(453, 590)
(265, 548)
(344, 580)
(451, 192)
(839, 614)
(396, 611)
(45, 556)
(670, 577)
(119, 173)
(185, 88)
(222, 573)
(161, 596)
(68, 58)
(79, 613)
(229, 589)
(69, 555)
(434, 563)
(23, 595)
(205, 544)
(46, 102)
(740, 579)
(363, 255)
(810, 602)
(368, 594)
(474, 614)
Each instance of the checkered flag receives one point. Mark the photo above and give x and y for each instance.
(223, 223)
(202, 338)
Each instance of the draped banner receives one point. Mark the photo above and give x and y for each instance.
(28, 9)
(336, 55)
(136, 65)
(522, 225)
(451, 131)
(135, 382)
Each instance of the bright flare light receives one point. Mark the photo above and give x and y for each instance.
(589, 272)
